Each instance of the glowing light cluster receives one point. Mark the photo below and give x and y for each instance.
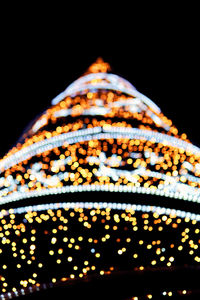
(57, 242)
(165, 294)
(101, 133)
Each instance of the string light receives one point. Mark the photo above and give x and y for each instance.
(155, 159)
(99, 135)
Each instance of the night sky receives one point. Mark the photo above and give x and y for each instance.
(162, 62)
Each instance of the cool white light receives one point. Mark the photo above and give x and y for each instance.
(110, 82)
(92, 133)
(103, 205)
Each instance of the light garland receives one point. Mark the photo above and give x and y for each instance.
(99, 135)
(109, 82)
(46, 250)
(89, 134)
(102, 205)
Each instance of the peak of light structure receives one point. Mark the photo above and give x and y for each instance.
(83, 193)
(101, 134)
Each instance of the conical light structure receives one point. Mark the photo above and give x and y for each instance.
(71, 190)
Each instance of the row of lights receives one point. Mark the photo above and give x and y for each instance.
(118, 224)
(166, 182)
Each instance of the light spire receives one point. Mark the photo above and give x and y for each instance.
(99, 66)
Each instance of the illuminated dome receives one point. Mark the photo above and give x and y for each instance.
(99, 184)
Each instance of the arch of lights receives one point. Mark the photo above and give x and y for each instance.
(100, 134)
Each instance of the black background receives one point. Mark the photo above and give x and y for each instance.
(157, 51)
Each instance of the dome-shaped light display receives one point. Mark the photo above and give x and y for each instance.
(100, 184)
